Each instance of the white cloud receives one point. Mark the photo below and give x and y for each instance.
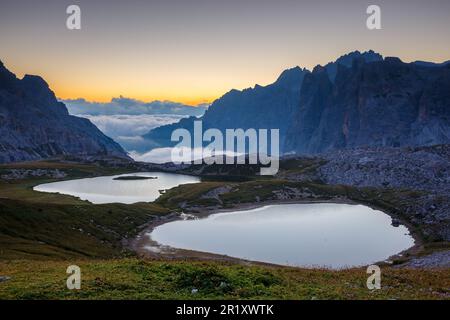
(130, 125)
(125, 120)
(159, 155)
(127, 106)
(163, 155)
(128, 129)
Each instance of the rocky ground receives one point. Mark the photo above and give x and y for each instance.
(440, 259)
(426, 170)
(16, 174)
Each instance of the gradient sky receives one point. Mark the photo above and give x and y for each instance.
(194, 51)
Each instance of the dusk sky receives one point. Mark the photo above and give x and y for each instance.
(194, 51)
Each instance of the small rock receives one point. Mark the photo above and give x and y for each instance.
(395, 223)
(4, 278)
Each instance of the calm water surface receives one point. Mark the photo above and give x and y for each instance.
(107, 190)
(329, 235)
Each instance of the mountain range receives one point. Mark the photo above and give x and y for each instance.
(35, 125)
(359, 100)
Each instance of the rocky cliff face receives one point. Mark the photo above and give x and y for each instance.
(359, 100)
(384, 103)
(34, 125)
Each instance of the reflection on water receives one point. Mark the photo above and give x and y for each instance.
(109, 190)
(330, 235)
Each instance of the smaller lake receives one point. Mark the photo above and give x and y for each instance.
(308, 235)
(109, 189)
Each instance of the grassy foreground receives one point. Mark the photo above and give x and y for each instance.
(139, 279)
(45, 226)
(41, 234)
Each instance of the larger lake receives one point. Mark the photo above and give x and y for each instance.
(309, 235)
(110, 189)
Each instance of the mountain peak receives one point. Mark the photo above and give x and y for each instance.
(348, 59)
(393, 60)
(318, 68)
(35, 81)
(367, 56)
(8, 79)
(294, 74)
(289, 71)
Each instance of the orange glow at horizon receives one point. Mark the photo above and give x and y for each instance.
(196, 51)
(105, 98)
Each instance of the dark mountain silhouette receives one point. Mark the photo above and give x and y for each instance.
(34, 125)
(271, 106)
(360, 99)
(384, 103)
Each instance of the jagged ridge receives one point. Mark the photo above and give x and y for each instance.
(360, 99)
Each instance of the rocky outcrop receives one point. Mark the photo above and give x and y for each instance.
(422, 169)
(34, 125)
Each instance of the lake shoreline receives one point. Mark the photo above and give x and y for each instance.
(140, 242)
(147, 248)
(148, 187)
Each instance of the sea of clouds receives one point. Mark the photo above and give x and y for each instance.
(179, 154)
(126, 120)
(127, 130)
(128, 106)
